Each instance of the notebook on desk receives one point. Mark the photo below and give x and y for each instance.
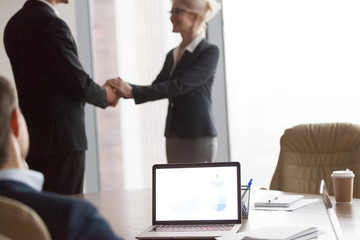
(278, 201)
(195, 201)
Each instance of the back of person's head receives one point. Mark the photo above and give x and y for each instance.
(207, 9)
(7, 106)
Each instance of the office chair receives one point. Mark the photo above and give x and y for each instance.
(18, 221)
(310, 152)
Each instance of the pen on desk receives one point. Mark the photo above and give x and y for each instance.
(244, 208)
(249, 184)
(270, 200)
(248, 187)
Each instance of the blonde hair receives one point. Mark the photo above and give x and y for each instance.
(207, 9)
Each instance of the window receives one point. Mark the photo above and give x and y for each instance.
(131, 39)
(287, 63)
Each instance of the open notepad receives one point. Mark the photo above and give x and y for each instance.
(278, 201)
(281, 232)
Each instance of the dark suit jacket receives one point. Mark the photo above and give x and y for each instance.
(51, 83)
(189, 92)
(65, 218)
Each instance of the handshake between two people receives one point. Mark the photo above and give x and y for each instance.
(116, 88)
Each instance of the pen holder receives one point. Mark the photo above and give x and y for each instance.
(245, 201)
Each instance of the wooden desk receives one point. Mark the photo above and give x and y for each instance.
(129, 212)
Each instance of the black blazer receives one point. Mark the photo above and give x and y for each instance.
(188, 90)
(65, 218)
(51, 83)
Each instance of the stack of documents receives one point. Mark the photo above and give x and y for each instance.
(281, 232)
(282, 202)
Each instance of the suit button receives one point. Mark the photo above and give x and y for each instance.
(172, 105)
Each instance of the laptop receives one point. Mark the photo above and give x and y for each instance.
(195, 201)
(330, 211)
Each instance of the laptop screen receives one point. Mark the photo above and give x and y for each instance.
(196, 193)
(330, 211)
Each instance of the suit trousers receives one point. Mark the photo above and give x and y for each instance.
(192, 150)
(63, 173)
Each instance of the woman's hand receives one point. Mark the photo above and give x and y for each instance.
(122, 88)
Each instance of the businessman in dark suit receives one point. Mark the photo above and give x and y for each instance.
(186, 79)
(65, 218)
(52, 89)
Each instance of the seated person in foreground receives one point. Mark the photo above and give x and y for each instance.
(65, 218)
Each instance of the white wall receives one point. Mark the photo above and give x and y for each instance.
(9, 8)
(287, 63)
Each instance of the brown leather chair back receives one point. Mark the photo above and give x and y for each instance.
(310, 152)
(18, 221)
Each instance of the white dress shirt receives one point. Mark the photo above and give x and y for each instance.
(31, 178)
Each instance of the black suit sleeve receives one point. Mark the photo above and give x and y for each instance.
(61, 48)
(198, 73)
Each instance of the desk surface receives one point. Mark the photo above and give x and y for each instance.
(129, 212)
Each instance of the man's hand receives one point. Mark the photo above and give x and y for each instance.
(111, 96)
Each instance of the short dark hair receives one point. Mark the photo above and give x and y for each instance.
(7, 105)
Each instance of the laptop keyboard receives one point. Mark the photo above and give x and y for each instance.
(192, 228)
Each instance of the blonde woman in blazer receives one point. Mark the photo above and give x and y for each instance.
(186, 79)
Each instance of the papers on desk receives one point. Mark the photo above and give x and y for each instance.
(281, 232)
(282, 203)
